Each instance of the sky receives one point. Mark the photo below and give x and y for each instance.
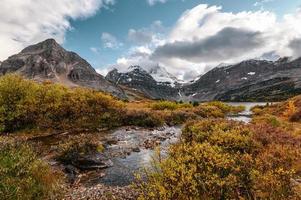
(187, 37)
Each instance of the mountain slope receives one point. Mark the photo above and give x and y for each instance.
(139, 79)
(47, 60)
(251, 80)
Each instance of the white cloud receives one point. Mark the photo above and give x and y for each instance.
(153, 2)
(140, 36)
(205, 36)
(188, 44)
(262, 2)
(95, 50)
(147, 36)
(24, 22)
(109, 41)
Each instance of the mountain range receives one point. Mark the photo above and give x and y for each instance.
(250, 80)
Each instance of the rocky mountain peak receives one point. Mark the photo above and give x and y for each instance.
(49, 44)
(48, 60)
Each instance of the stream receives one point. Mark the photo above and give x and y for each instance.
(131, 149)
(246, 115)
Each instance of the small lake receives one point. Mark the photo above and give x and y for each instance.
(246, 115)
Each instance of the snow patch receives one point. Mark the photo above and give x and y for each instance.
(217, 81)
(251, 73)
(244, 78)
(180, 93)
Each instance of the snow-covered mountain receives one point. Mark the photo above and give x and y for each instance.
(161, 75)
(249, 80)
(158, 73)
(153, 82)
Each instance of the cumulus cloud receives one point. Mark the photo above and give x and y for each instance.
(262, 2)
(140, 36)
(153, 2)
(205, 36)
(147, 36)
(95, 50)
(109, 41)
(138, 55)
(295, 45)
(23, 23)
(227, 43)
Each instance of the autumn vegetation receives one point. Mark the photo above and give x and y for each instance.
(25, 105)
(24, 176)
(214, 159)
(221, 159)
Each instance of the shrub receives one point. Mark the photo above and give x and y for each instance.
(72, 150)
(23, 175)
(257, 110)
(226, 108)
(16, 102)
(168, 105)
(219, 159)
(195, 103)
(178, 116)
(142, 117)
(290, 109)
(296, 117)
(26, 104)
(208, 111)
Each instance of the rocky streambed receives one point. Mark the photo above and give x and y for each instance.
(125, 152)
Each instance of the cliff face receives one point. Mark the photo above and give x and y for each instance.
(49, 61)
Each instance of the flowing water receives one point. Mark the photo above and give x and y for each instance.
(122, 173)
(130, 151)
(125, 167)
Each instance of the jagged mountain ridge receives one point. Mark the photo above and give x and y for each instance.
(139, 79)
(251, 80)
(47, 60)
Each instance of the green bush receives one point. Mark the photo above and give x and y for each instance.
(142, 117)
(169, 105)
(24, 176)
(16, 98)
(226, 108)
(72, 150)
(209, 111)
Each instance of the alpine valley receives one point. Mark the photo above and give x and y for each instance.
(250, 80)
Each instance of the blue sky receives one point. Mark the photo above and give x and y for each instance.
(187, 37)
(127, 14)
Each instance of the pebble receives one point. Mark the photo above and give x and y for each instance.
(101, 192)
